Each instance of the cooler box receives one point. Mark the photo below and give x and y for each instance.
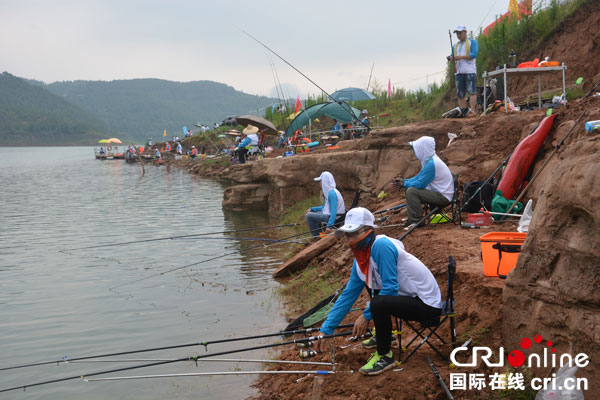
(480, 219)
(500, 251)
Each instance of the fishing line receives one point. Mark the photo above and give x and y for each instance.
(179, 237)
(348, 110)
(200, 262)
(65, 359)
(242, 238)
(84, 376)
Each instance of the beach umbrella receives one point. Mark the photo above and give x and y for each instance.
(352, 94)
(103, 141)
(114, 140)
(259, 122)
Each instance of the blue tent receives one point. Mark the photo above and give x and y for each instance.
(342, 112)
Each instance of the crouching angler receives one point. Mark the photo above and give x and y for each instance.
(397, 282)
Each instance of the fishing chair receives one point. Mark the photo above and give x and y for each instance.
(452, 208)
(339, 220)
(428, 329)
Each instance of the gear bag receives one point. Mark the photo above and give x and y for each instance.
(484, 196)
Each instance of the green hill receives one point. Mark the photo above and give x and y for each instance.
(142, 108)
(31, 115)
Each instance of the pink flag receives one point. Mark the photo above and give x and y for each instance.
(389, 88)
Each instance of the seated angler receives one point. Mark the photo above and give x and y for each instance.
(332, 207)
(433, 185)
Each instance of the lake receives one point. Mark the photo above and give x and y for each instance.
(58, 302)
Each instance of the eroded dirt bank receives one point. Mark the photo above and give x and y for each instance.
(553, 290)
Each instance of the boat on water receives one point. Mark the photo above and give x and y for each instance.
(109, 152)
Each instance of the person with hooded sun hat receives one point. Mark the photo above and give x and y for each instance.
(332, 207)
(397, 282)
(434, 184)
(251, 139)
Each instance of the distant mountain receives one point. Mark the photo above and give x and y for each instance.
(32, 115)
(142, 108)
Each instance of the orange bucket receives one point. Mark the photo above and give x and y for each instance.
(500, 252)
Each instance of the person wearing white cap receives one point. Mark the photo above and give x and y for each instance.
(433, 184)
(464, 56)
(397, 282)
(332, 207)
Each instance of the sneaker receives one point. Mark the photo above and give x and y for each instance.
(377, 364)
(371, 343)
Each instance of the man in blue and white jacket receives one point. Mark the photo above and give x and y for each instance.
(464, 54)
(398, 283)
(434, 184)
(332, 207)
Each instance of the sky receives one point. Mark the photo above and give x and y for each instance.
(334, 43)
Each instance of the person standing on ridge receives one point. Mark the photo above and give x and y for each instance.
(464, 56)
(398, 283)
(332, 207)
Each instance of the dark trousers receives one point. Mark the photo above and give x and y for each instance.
(241, 153)
(415, 197)
(405, 307)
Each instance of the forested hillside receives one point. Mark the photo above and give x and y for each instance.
(141, 108)
(31, 115)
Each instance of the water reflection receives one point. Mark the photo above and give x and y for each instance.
(58, 302)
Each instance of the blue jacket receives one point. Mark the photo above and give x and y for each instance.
(333, 202)
(385, 254)
(473, 48)
(244, 143)
(423, 178)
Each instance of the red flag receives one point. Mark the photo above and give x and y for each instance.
(298, 105)
(389, 88)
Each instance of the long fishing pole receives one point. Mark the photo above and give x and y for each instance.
(243, 238)
(121, 378)
(178, 346)
(341, 103)
(181, 236)
(200, 262)
(84, 376)
(236, 360)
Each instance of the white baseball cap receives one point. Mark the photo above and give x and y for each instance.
(356, 219)
(460, 28)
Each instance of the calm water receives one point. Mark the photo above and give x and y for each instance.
(57, 302)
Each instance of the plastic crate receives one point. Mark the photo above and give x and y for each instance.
(500, 244)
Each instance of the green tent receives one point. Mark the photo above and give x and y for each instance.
(342, 112)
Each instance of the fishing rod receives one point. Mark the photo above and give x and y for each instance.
(244, 238)
(341, 103)
(202, 262)
(439, 378)
(121, 378)
(236, 360)
(390, 209)
(178, 346)
(181, 236)
(84, 376)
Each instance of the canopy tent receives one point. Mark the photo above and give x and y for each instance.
(352, 94)
(342, 112)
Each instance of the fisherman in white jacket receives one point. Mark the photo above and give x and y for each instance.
(434, 184)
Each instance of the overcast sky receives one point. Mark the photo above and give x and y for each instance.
(334, 42)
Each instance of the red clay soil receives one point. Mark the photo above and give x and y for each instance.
(479, 303)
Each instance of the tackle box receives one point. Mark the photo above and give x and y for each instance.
(500, 252)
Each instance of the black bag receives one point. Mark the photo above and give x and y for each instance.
(484, 196)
